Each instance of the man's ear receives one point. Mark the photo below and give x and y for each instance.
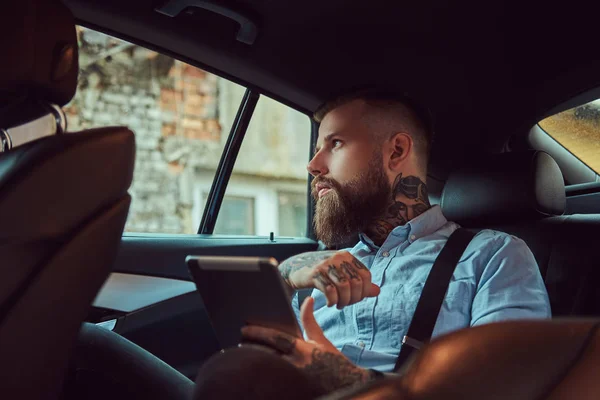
(401, 145)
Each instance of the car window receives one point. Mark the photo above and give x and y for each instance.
(181, 117)
(268, 185)
(578, 130)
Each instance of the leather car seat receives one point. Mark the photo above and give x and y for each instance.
(63, 201)
(523, 193)
(518, 360)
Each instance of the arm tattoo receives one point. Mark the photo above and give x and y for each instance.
(349, 270)
(299, 261)
(338, 275)
(334, 371)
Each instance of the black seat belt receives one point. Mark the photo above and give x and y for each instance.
(433, 294)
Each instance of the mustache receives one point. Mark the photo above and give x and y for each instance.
(323, 181)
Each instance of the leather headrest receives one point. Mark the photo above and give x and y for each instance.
(503, 188)
(38, 44)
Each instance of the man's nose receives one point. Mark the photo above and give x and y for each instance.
(316, 166)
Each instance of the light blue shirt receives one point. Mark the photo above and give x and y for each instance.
(496, 279)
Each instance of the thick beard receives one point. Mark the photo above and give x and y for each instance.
(348, 209)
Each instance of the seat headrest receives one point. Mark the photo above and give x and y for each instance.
(38, 43)
(503, 188)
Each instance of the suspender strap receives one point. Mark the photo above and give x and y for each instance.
(433, 294)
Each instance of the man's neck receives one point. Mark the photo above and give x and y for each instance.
(409, 199)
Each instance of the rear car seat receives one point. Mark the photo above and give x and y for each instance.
(523, 194)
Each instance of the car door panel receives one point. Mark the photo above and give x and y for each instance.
(164, 256)
(583, 198)
(153, 302)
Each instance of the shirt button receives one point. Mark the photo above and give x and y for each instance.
(385, 254)
(412, 237)
(361, 344)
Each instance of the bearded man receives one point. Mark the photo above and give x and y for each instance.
(370, 169)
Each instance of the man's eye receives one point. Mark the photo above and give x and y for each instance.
(336, 143)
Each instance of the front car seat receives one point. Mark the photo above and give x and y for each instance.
(63, 201)
(520, 360)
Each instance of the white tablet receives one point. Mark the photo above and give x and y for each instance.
(238, 291)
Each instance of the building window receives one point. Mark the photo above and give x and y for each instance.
(236, 216)
(292, 214)
(271, 165)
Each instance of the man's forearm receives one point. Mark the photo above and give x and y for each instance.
(309, 259)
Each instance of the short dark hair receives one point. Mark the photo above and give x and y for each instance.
(380, 98)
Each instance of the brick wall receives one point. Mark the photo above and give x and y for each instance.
(181, 117)
(173, 115)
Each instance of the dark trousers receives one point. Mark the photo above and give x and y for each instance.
(249, 373)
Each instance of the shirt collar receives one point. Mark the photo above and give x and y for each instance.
(423, 225)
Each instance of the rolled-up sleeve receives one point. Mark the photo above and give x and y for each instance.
(510, 287)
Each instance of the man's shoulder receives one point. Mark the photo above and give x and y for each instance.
(484, 238)
(498, 239)
(490, 245)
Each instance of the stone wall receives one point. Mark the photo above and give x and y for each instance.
(171, 107)
(181, 117)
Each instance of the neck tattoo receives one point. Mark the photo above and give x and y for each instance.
(409, 199)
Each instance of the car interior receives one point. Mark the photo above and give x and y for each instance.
(97, 300)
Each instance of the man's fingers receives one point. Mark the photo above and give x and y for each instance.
(259, 347)
(311, 328)
(356, 282)
(324, 283)
(282, 342)
(344, 280)
(342, 283)
(373, 291)
(365, 276)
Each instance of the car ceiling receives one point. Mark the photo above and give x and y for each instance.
(487, 70)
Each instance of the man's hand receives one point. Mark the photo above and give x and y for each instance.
(338, 274)
(317, 356)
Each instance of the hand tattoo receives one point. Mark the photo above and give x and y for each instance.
(323, 279)
(334, 371)
(358, 264)
(349, 270)
(339, 276)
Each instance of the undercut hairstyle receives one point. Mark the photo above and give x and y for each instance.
(388, 113)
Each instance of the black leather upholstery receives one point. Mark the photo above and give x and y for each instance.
(63, 203)
(50, 189)
(516, 193)
(39, 59)
(565, 250)
(504, 187)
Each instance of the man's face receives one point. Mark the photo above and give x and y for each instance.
(350, 185)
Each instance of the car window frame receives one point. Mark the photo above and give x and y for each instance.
(234, 139)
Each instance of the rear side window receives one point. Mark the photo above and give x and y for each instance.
(578, 130)
(269, 181)
(182, 116)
